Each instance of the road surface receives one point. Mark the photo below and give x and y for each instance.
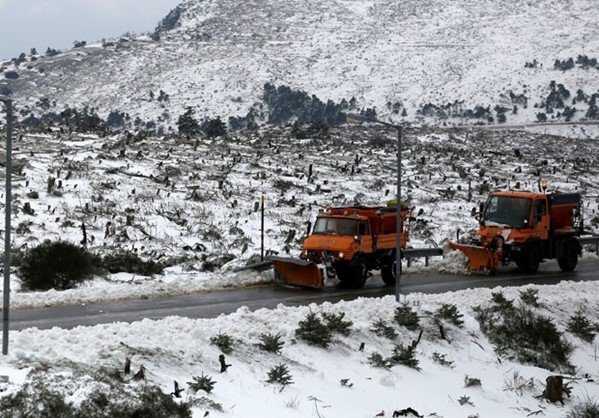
(214, 303)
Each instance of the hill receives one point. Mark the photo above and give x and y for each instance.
(416, 61)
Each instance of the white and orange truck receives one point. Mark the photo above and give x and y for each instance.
(348, 243)
(526, 228)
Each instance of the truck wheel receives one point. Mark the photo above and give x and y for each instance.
(531, 258)
(569, 259)
(354, 274)
(388, 272)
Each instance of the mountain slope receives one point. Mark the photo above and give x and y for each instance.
(216, 55)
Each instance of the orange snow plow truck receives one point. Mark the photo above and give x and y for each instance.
(526, 228)
(347, 242)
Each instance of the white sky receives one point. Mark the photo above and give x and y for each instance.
(57, 23)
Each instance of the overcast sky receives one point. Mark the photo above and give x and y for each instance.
(26, 24)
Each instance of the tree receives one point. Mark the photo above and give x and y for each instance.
(187, 124)
(214, 127)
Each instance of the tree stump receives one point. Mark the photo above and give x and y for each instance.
(555, 389)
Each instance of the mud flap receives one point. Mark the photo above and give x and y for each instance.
(481, 259)
(297, 272)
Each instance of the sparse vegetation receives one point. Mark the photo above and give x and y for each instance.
(203, 382)
(522, 334)
(472, 381)
(588, 408)
(530, 297)
(38, 399)
(271, 343)
(224, 342)
(128, 262)
(449, 313)
(382, 329)
(280, 374)
(406, 317)
(580, 325)
(314, 331)
(442, 359)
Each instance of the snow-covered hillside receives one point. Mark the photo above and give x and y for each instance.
(193, 204)
(216, 55)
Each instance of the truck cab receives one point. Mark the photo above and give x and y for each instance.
(527, 227)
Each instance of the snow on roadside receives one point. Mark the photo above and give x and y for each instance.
(177, 348)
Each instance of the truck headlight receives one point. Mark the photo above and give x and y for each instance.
(341, 254)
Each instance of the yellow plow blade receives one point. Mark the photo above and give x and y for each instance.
(481, 259)
(297, 272)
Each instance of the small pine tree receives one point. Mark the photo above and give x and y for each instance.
(271, 343)
(280, 374)
(187, 124)
(405, 316)
(314, 331)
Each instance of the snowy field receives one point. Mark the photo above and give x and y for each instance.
(191, 202)
(338, 381)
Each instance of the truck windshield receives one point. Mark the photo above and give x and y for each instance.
(338, 226)
(505, 210)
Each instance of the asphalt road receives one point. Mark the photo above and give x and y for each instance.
(214, 303)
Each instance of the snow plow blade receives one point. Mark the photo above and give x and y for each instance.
(297, 272)
(481, 259)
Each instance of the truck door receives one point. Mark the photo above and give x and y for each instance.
(541, 219)
(366, 241)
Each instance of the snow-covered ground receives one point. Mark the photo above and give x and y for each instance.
(192, 201)
(338, 381)
(193, 204)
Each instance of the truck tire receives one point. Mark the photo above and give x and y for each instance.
(353, 274)
(568, 260)
(388, 270)
(530, 259)
(388, 273)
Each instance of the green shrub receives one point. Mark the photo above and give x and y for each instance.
(589, 408)
(405, 316)
(336, 324)
(280, 374)
(55, 265)
(202, 382)
(471, 381)
(442, 359)
(381, 329)
(580, 326)
(450, 313)
(377, 360)
(129, 262)
(314, 331)
(530, 297)
(404, 356)
(501, 301)
(270, 343)
(224, 342)
(145, 401)
(37, 400)
(523, 335)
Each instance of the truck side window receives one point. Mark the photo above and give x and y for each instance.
(363, 228)
(541, 208)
